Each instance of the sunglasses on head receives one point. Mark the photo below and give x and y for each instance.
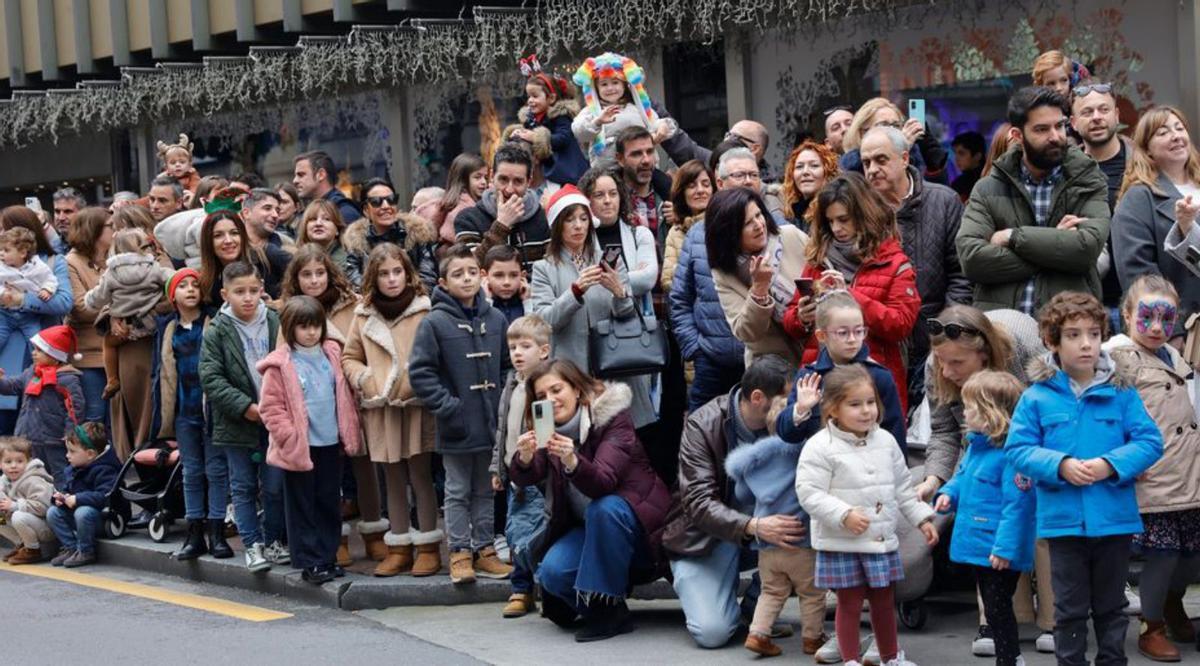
(952, 330)
(834, 109)
(376, 202)
(1102, 88)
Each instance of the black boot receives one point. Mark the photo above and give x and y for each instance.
(604, 620)
(194, 546)
(216, 540)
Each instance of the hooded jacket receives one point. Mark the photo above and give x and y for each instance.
(697, 318)
(477, 227)
(1107, 420)
(764, 474)
(179, 236)
(92, 483)
(413, 233)
(45, 418)
(553, 143)
(31, 493)
(229, 386)
(457, 363)
(131, 286)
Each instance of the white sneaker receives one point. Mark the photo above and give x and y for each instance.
(829, 653)
(1045, 642)
(900, 660)
(255, 561)
(277, 553)
(984, 645)
(870, 655)
(1134, 599)
(502, 549)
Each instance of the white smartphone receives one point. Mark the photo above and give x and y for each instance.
(32, 203)
(543, 422)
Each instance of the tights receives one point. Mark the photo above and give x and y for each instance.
(399, 476)
(1164, 571)
(367, 480)
(883, 620)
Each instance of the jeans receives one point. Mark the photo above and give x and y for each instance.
(470, 512)
(1089, 576)
(92, 382)
(204, 468)
(27, 323)
(75, 528)
(595, 559)
(526, 517)
(247, 479)
(711, 380)
(707, 588)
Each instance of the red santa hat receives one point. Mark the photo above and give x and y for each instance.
(564, 198)
(57, 342)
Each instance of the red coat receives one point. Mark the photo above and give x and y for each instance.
(886, 289)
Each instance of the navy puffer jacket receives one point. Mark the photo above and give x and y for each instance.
(696, 316)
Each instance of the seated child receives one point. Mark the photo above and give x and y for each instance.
(177, 162)
(615, 95)
(26, 491)
(77, 511)
(22, 270)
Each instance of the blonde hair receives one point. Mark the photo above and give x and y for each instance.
(836, 387)
(834, 300)
(993, 395)
(993, 341)
(18, 445)
(1048, 61)
(530, 327)
(130, 239)
(864, 119)
(1149, 283)
(1141, 169)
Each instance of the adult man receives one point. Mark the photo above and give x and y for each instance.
(67, 202)
(837, 121)
(508, 212)
(313, 174)
(121, 199)
(738, 167)
(970, 153)
(649, 188)
(165, 197)
(680, 147)
(1035, 225)
(928, 215)
(260, 212)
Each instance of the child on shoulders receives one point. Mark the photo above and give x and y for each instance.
(545, 124)
(615, 97)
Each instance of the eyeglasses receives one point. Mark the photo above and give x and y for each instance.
(846, 334)
(376, 202)
(744, 175)
(952, 330)
(1102, 88)
(834, 109)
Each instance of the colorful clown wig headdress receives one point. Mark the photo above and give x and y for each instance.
(608, 65)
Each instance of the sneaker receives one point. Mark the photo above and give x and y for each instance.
(829, 653)
(79, 559)
(277, 553)
(488, 565)
(255, 560)
(984, 645)
(1134, 599)
(900, 660)
(502, 549)
(461, 567)
(1045, 642)
(64, 554)
(870, 655)
(519, 604)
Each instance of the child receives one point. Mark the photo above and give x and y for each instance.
(545, 124)
(455, 369)
(852, 481)
(504, 284)
(242, 333)
(51, 397)
(22, 270)
(1081, 433)
(399, 430)
(615, 95)
(528, 344)
(130, 288)
(308, 409)
(177, 162)
(842, 335)
(77, 511)
(1169, 493)
(995, 507)
(26, 492)
(764, 476)
(179, 415)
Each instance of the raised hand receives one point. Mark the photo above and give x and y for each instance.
(808, 393)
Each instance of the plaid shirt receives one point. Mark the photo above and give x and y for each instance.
(1041, 194)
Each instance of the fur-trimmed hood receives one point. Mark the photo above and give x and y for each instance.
(1109, 370)
(759, 455)
(616, 398)
(417, 231)
(563, 107)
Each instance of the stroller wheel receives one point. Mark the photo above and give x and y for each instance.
(914, 614)
(159, 523)
(114, 525)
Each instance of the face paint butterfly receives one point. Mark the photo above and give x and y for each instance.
(1148, 312)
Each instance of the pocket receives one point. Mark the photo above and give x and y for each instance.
(1058, 432)
(452, 427)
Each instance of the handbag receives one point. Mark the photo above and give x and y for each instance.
(626, 348)
(1191, 345)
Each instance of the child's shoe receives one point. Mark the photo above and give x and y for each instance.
(870, 655)
(489, 565)
(829, 653)
(400, 555)
(1045, 642)
(813, 645)
(984, 644)
(11, 553)
(255, 560)
(277, 553)
(429, 553)
(899, 660)
(25, 555)
(372, 534)
(502, 549)
(110, 389)
(461, 567)
(762, 645)
(520, 604)
(1153, 642)
(79, 559)
(63, 555)
(343, 551)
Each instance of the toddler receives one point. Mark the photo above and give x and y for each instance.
(615, 97)
(545, 124)
(78, 509)
(177, 162)
(26, 491)
(22, 270)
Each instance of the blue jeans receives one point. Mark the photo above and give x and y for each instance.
(526, 516)
(75, 528)
(204, 468)
(26, 323)
(247, 478)
(595, 559)
(707, 588)
(92, 381)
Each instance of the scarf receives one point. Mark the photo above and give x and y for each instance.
(781, 288)
(390, 308)
(571, 427)
(329, 298)
(845, 258)
(43, 375)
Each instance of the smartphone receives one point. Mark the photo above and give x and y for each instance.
(543, 422)
(612, 254)
(32, 203)
(1193, 255)
(804, 286)
(916, 110)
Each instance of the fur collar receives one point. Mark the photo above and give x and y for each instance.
(690, 221)
(1043, 368)
(617, 397)
(563, 107)
(762, 453)
(374, 328)
(420, 231)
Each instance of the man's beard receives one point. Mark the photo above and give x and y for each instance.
(1112, 131)
(1046, 158)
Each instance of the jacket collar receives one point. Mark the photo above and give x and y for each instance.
(1074, 165)
(444, 302)
(824, 362)
(849, 438)
(1112, 373)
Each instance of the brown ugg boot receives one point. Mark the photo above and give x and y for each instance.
(372, 535)
(343, 552)
(429, 553)
(400, 555)
(1153, 642)
(26, 556)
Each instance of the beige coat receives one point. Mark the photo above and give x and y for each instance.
(754, 324)
(1173, 483)
(672, 248)
(395, 424)
(340, 319)
(89, 343)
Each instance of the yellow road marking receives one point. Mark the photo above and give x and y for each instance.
(207, 604)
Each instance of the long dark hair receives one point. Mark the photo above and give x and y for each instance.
(458, 180)
(336, 280)
(554, 249)
(723, 223)
(210, 265)
(874, 220)
(20, 216)
(684, 177)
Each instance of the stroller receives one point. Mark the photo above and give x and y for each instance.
(158, 490)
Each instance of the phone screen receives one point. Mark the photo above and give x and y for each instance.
(543, 422)
(916, 110)
(804, 286)
(612, 255)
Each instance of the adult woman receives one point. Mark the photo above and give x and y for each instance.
(313, 273)
(809, 167)
(222, 242)
(290, 207)
(14, 352)
(322, 224)
(1157, 207)
(691, 190)
(90, 237)
(925, 153)
(754, 266)
(178, 234)
(854, 233)
(572, 290)
(607, 506)
(384, 223)
(465, 183)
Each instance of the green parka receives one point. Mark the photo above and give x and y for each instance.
(227, 383)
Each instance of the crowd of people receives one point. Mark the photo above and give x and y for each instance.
(583, 371)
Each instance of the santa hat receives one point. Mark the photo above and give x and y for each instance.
(57, 342)
(564, 198)
(178, 277)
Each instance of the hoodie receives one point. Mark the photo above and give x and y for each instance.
(476, 226)
(764, 476)
(458, 361)
(32, 492)
(254, 336)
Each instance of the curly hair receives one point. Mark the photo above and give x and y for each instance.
(1065, 307)
(993, 395)
(789, 192)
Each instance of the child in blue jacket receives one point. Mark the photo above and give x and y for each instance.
(78, 509)
(1082, 434)
(993, 533)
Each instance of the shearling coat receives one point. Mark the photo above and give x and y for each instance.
(32, 492)
(553, 143)
(413, 233)
(395, 423)
(340, 319)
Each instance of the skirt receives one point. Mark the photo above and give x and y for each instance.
(1169, 532)
(395, 434)
(837, 571)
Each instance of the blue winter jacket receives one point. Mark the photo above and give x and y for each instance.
(764, 474)
(697, 319)
(995, 507)
(1107, 421)
(91, 484)
(893, 415)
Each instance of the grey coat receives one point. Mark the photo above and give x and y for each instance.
(571, 321)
